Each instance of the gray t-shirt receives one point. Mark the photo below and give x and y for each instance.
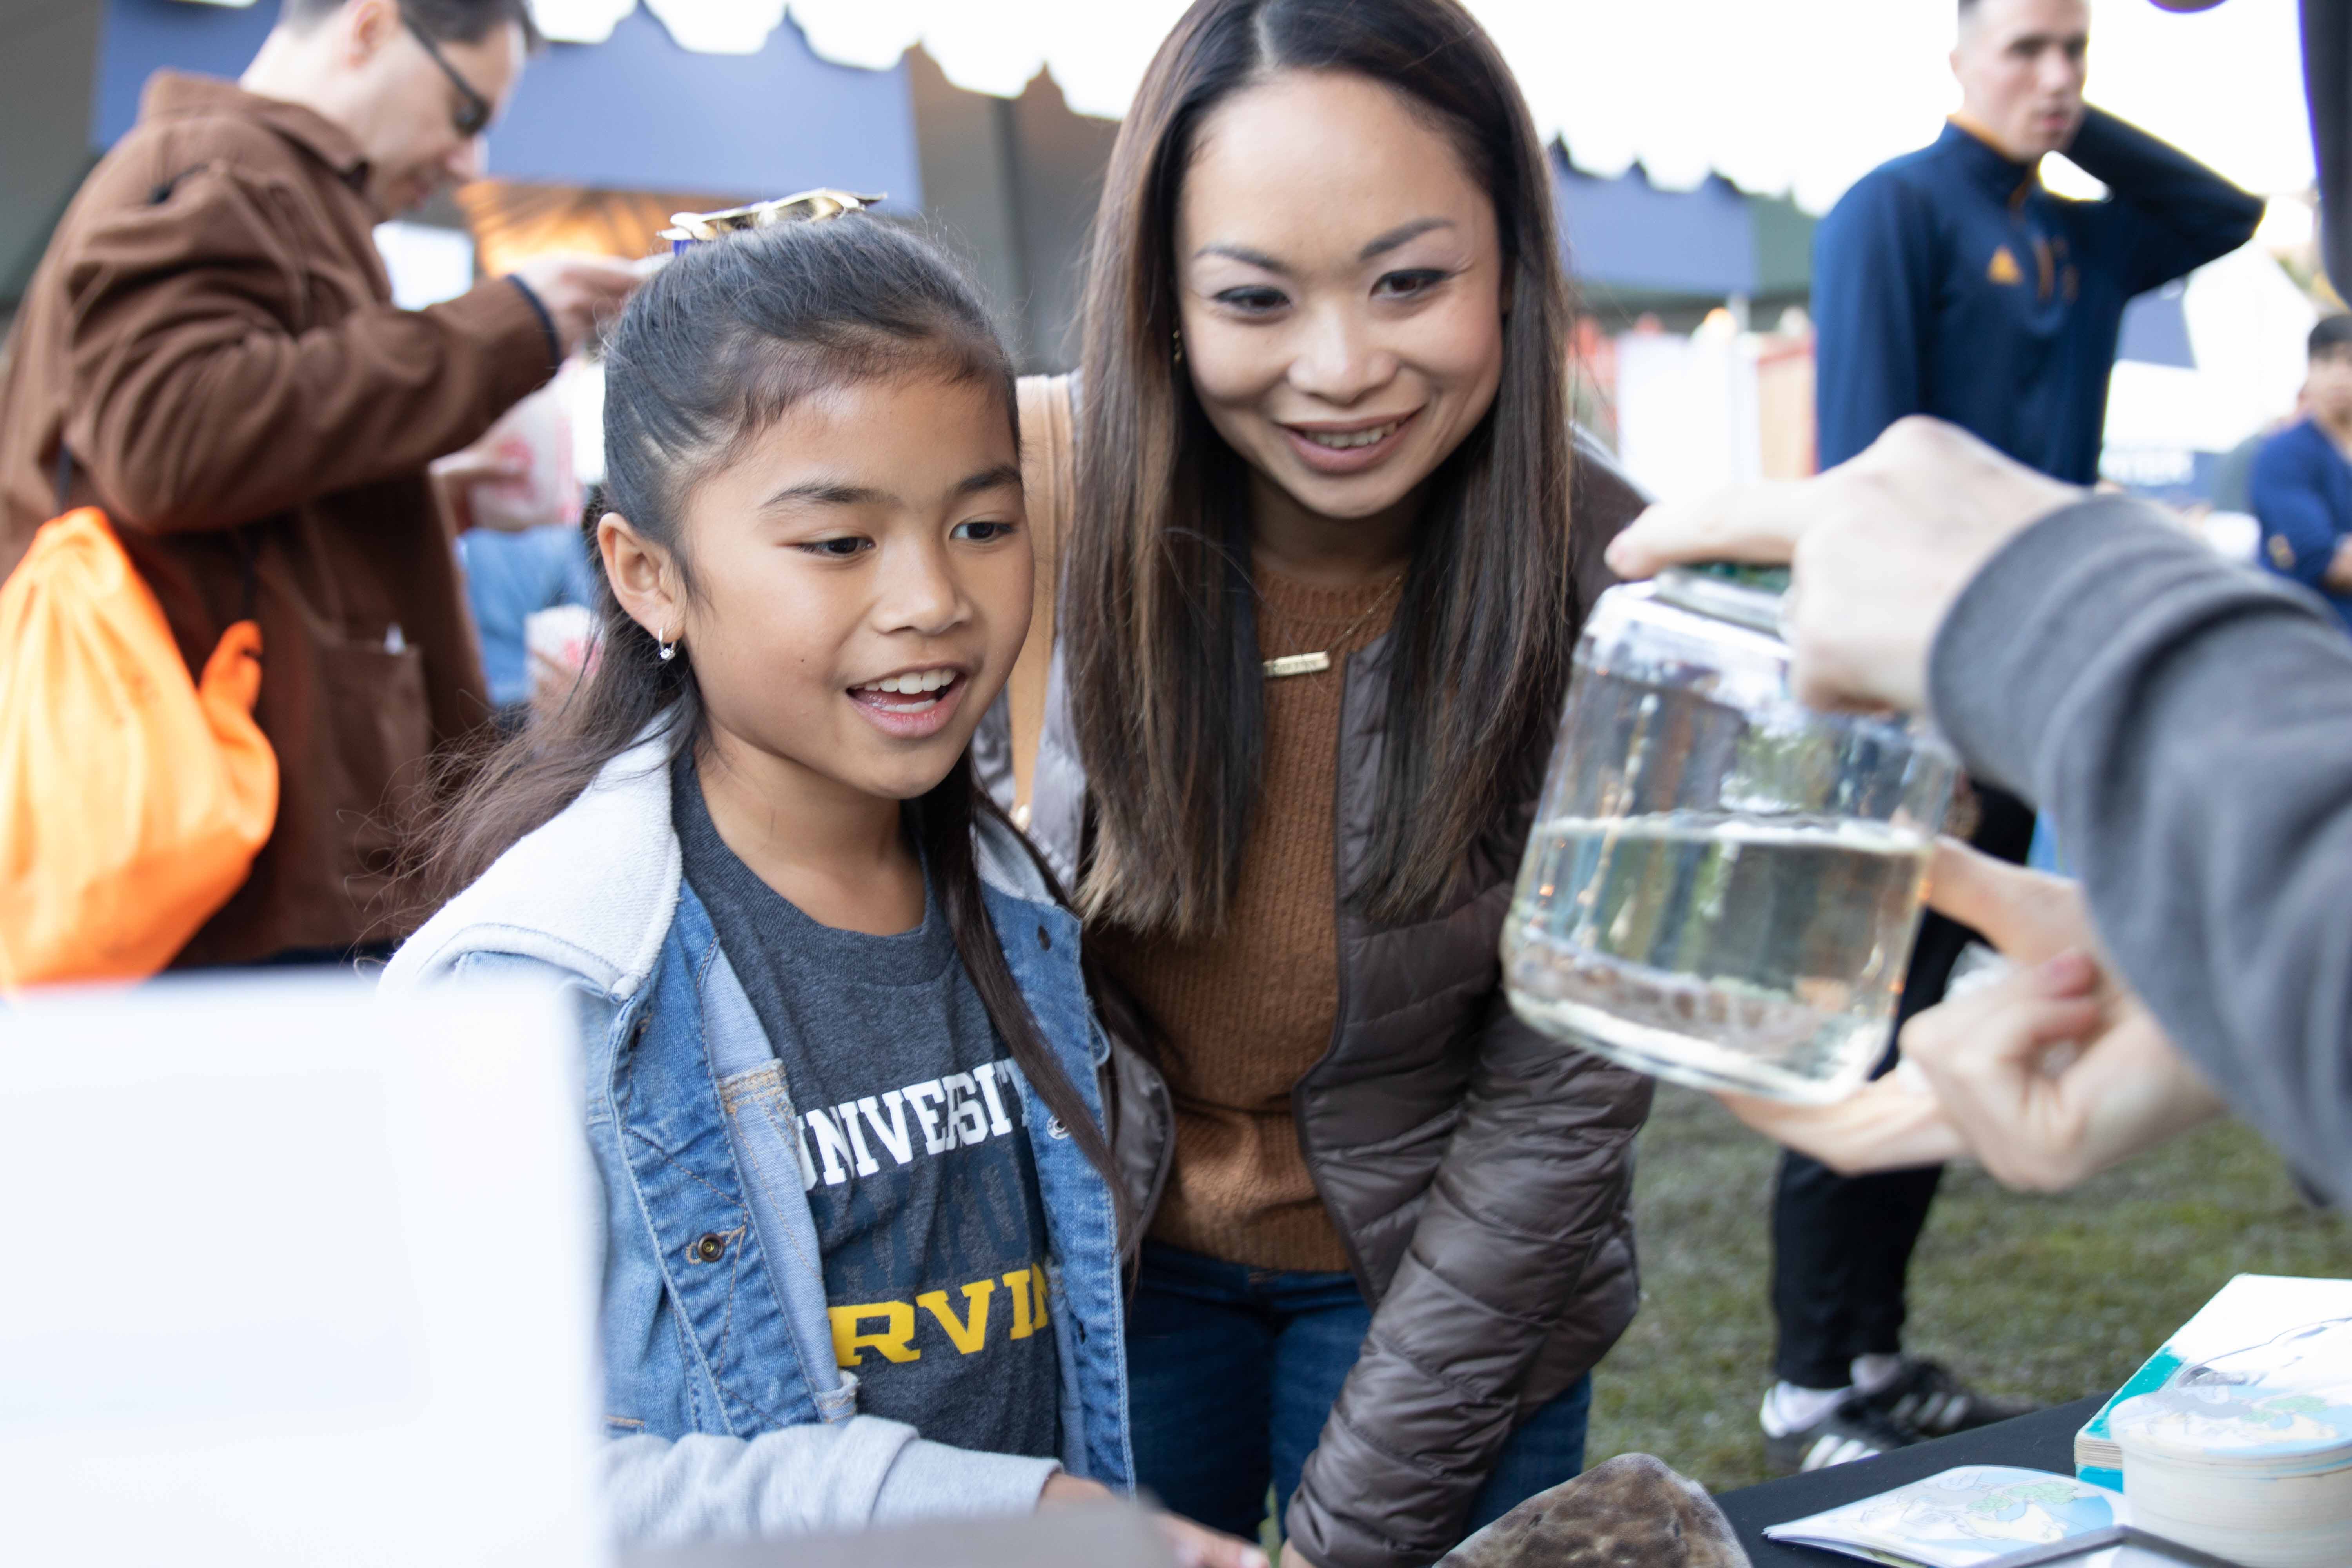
(913, 1150)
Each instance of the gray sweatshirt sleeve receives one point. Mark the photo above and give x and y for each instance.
(804, 1480)
(2187, 725)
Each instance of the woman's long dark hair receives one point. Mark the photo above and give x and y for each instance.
(712, 351)
(1166, 690)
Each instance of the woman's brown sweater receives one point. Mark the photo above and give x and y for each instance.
(1245, 1012)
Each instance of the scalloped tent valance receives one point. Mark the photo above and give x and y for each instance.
(1798, 97)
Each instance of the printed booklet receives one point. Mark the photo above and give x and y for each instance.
(1972, 1515)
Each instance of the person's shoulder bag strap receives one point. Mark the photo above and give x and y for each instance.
(1049, 474)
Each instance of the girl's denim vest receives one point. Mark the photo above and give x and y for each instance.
(714, 1314)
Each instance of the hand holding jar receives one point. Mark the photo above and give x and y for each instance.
(1879, 547)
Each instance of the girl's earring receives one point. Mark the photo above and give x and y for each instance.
(1177, 337)
(668, 649)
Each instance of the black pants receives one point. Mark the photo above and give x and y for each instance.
(1842, 1245)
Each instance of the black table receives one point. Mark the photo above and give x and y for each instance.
(2042, 1441)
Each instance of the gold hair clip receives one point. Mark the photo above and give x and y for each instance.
(807, 206)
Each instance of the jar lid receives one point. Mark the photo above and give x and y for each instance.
(2240, 1428)
(1765, 579)
(1745, 596)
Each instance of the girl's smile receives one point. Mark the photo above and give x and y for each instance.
(914, 704)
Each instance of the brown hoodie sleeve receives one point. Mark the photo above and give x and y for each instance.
(202, 400)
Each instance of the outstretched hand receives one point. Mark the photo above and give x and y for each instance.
(581, 293)
(1198, 1546)
(1890, 1123)
(2059, 1070)
(2047, 1076)
(453, 478)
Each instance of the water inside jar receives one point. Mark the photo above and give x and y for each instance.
(1724, 949)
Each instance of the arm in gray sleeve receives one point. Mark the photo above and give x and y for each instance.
(806, 1480)
(2188, 724)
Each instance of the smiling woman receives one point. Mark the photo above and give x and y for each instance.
(1287, 262)
(1316, 605)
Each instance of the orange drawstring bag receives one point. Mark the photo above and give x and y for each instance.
(132, 801)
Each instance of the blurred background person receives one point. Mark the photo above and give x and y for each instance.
(2301, 487)
(515, 502)
(208, 352)
(1950, 281)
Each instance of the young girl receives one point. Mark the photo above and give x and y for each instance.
(1318, 599)
(860, 1258)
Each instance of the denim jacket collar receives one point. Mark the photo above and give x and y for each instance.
(595, 889)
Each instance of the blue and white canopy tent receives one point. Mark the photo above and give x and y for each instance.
(638, 111)
(640, 107)
(1636, 249)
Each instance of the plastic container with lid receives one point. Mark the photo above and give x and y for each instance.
(1722, 884)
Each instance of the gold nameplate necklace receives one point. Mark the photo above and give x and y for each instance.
(1317, 662)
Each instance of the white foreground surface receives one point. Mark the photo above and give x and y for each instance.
(293, 1276)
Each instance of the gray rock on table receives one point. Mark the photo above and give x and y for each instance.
(1631, 1511)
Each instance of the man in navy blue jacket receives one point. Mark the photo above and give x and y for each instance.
(2301, 488)
(1950, 282)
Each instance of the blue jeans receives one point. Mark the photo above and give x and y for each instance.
(1232, 1372)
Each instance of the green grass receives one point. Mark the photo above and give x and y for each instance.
(2049, 1299)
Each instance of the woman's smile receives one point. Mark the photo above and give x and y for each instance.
(1335, 447)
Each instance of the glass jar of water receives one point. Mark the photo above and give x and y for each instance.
(1722, 884)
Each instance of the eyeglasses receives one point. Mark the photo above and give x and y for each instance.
(472, 115)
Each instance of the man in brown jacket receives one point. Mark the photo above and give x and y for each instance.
(208, 352)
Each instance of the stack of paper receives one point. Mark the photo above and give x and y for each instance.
(2256, 1464)
(2248, 1311)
